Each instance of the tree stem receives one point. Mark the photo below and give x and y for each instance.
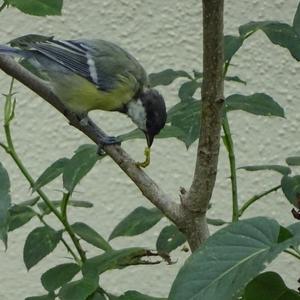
(233, 176)
(199, 195)
(10, 149)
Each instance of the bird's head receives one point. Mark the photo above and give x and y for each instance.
(148, 112)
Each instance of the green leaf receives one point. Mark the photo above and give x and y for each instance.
(20, 215)
(38, 7)
(278, 33)
(284, 170)
(75, 203)
(45, 297)
(116, 259)
(134, 295)
(296, 21)
(229, 259)
(231, 45)
(96, 296)
(137, 222)
(295, 230)
(39, 243)
(78, 290)
(50, 173)
(293, 161)
(186, 116)
(169, 239)
(5, 203)
(188, 89)
(291, 188)
(59, 275)
(236, 79)
(78, 166)
(91, 236)
(166, 77)
(257, 104)
(269, 286)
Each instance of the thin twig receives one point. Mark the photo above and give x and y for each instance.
(69, 249)
(233, 176)
(13, 154)
(231, 158)
(292, 253)
(257, 197)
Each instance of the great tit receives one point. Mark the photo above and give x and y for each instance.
(94, 74)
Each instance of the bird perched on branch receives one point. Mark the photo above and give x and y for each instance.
(94, 74)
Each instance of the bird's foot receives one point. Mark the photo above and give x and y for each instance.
(107, 141)
(145, 163)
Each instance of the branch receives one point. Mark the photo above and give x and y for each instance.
(199, 195)
(255, 198)
(146, 185)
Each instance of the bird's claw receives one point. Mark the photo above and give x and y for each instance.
(107, 141)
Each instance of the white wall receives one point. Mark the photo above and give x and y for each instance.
(161, 34)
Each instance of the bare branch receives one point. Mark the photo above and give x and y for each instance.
(146, 185)
(199, 195)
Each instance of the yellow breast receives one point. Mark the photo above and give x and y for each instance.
(80, 95)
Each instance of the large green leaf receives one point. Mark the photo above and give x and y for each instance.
(59, 275)
(280, 34)
(137, 222)
(296, 21)
(293, 161)
(169, 239)
(5, 202)
(231, 45)
(229, 260)
(20, 215)
(78, 290)
(134, 295)
(166, 77)
(39, 243)
(91, 236)
(38, 7)
(257, 104)
(116, 259)
(50, 173)
(284, 170)
(269, 286)
(291, 188)
(188, 89)
(186, 116)
(78, 166)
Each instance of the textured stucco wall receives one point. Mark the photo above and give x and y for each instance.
(161, 34)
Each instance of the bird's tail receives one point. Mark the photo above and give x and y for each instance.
(6, 50)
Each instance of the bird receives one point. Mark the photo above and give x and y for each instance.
(94, 74)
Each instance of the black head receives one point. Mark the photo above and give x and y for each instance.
(156, 114)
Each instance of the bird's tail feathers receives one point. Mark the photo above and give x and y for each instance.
(6, 50)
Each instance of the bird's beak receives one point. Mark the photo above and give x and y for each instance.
(149, 138)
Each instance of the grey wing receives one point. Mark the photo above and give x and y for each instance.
(75, 57)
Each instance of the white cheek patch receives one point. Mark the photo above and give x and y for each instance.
(137, 113)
